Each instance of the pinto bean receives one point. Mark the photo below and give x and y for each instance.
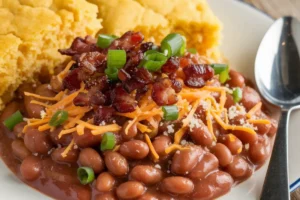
(223, 154)
(87, 139)
(105, 182)
(89, 157)
(216, 184)
(250, 98)
(229, 101)
(116, 163)
(160, 143)
(106, 196)
(185, 160)
(232, 142)
(260, 151)
(273, 128)
(19, 128)
(31, 168)
(207, 164)
(19, 149)
(132, 131)
(134, 149)
(146, 174)
(149, 196)
(56, 84)
(236, 79)
(245, 137)
(45, 90)
(71, 156)
(25, 87)
(10, 109)
(239, 168)
(32, 110)
(201, 135)
(63, 140)
(177, 185)
(130, 190)
(36, 141)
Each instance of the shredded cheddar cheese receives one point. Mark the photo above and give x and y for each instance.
(69, 147)
(151, 147)
(253, 110)
(175, 147)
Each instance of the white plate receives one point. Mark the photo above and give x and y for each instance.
(244, 28)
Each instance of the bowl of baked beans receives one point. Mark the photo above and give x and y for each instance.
(126, 118)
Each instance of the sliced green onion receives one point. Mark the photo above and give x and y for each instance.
(59, 118)
(108, 141)
(112, 73)
(153, 60)
(218, 68)
(172, 45)
(192, 50)
(170, 112)
(116, 58)
(224, 76)
(104, 40)
(183, 47)
(237, 95)
(13, 120)
(85, 175)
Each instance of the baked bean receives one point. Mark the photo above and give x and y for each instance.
(134, 149)
(89, 157)
(201, 135)
(177, 185)
(214, 185)
(63, 140)
(71, 156)
(146, 174)
(232, 142)
(236, 79)
(19, 149)
(239, 168)
(207, 164)
(229, 101)
(259, 151)
(245, 137)
(130, 190)
(273, 128)
(56, 84)
(201, 113)
(32, 110)
(81, 193)
(31, 168)
(239, 119)
(18, 129)
(10, 109)
(148, 196)
(160, 143)
(116, 163)
(87, 139)
(45, 90)
(250, 98)
(25, 87)
(105, 182)
(165, 126)
(37, 141)
(223, 154)
(106, 196)
(132, 131)
(185, 160)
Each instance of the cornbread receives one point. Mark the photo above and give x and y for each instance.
(31, 32)
(155, 19)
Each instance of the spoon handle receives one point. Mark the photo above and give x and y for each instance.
(276, 185)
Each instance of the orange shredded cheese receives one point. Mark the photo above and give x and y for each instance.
(175, 147)
(56, 98)
(44, 127)
(232, 137)
(69, 147)
(253, 110)
(63, 73)
(239, 150)
(65, 132)
(143, 128)
(151, 147)
(222, 99)
(259, 121)
(107, 128)
(116, 148)
(131, 123)
(230, 127)
(209, 125)
(40, 103)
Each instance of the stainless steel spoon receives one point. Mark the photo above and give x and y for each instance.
(277, 74)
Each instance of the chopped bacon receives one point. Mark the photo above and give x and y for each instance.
(122, 101)
(163, 93)
(197, 74)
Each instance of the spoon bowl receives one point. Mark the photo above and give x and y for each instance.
(277, 74)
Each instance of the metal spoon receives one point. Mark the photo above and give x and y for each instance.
(277, 74)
